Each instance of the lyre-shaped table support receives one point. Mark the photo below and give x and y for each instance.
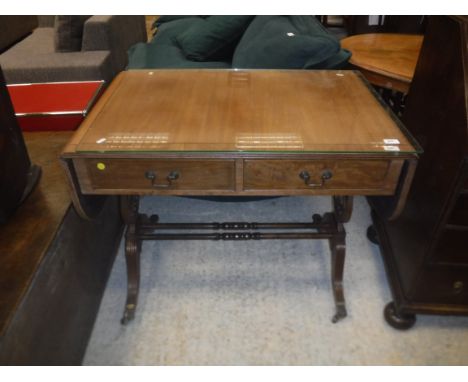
(328, 226)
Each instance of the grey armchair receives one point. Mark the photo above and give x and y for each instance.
(103, 53)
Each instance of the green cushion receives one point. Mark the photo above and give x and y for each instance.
(167, 32)
(286, 52)
(165, 56)
(169, 18)
(285, 42)
(213, 37)
(337, 61)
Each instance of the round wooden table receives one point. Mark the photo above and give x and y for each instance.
(385, 59)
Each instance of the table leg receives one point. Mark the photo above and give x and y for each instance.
(343, 208)
(140, 227)
(338, 252)
(129, 211)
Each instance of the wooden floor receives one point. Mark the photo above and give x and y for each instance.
(25, 238)
(55, 266)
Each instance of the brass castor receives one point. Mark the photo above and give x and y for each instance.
(128, 315)
(340, 314)
(396, 320)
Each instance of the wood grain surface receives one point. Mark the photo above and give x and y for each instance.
(385, 56)
(28, 234)
(236, 110)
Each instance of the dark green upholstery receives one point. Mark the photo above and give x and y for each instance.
(149, 56)
(337, 61)
(285, 42)
(263, 42)
(163, 52)
(168, 18)
(214, 37)
(168, 31)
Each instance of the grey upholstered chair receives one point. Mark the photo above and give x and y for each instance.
(104, 44)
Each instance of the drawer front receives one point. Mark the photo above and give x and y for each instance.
(441, 285)
(341, 174)
(160, 175)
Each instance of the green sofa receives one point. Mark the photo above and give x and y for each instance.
(244, 42)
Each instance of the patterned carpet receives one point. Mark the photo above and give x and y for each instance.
(264, 302)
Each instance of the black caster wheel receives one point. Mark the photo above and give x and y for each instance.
(372, 235)
(398, 321)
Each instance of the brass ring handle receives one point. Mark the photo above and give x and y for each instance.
(305, 176)
(172, 176)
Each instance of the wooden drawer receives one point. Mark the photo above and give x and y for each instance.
(157, 175)
(335, 174)
(441, 285)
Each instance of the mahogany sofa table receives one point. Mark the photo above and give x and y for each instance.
(238, 133)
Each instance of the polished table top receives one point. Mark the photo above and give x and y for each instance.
(240, 111)
(388, 54)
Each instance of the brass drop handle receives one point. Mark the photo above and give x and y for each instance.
(458, 286)
(305, 176)
(172, 176)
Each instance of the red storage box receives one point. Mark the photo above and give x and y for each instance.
(53, 105)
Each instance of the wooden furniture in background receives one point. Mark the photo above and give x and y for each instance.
(238, 133)
(426, 249)
(149, 23)
(18, 176)
(54, 265)
(387, 60)
(407, 24)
